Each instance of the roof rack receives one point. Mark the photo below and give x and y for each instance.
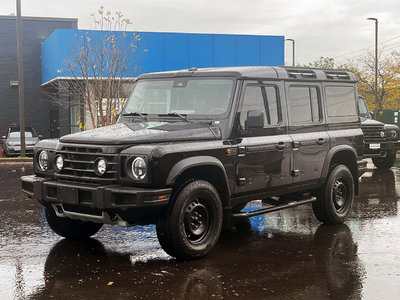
(335, 75)
(300, 73)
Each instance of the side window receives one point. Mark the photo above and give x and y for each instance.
(272, 105)
(304, 105)
(262, 98)
(340, 101)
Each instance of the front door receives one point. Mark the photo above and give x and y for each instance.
(264, 154)
(54, 124)
(307, 129)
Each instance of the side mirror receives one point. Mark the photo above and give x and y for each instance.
(255, 119)
(40, 136)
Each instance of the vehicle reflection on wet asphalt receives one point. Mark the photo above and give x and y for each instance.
(284, 255)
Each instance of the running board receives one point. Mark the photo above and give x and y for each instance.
(262, 211)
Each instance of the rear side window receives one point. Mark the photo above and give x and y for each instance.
(340, 101)
(262, 98)
(304, 105)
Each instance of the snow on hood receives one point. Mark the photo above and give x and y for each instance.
(144, 132)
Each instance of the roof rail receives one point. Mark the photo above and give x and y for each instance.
(337, 75)
(296, 73)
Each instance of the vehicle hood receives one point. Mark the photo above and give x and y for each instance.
(145, 132)
(370, 122)
(391, 127)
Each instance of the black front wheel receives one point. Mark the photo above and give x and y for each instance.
(385, 162)
(70, 228)
(192, 225)
(335, 199)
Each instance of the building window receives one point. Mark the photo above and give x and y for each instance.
(77, 121)
(112, 105)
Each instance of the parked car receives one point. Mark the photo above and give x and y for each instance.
(381, 141)
(12, 142)
(192, 147)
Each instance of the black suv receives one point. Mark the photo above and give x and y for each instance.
(381, 141)
(192, 147)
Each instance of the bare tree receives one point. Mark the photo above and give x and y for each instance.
(101, 61)
(363, 66)
(388, 77)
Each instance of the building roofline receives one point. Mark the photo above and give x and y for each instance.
(30, 18)
(84, 78)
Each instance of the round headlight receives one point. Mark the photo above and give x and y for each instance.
(59, 163)
(139, 168)
(43, 160)
(393, 134)
(100, 166)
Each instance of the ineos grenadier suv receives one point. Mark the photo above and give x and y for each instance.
(381, 141)
(192, 147)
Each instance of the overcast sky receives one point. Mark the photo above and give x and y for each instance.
(320, 27)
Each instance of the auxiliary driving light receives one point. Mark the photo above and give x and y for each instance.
(59, 163)
(100, 166)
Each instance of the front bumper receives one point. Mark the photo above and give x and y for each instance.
(16, 150)
(384, 148)
(104, 204)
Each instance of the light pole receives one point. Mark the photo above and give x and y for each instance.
(20, 80)
(292, 40)
(376, 58)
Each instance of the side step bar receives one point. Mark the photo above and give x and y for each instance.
(266, 210)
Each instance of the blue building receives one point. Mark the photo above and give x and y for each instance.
(161, 51)
(39, 113)
(155, 51)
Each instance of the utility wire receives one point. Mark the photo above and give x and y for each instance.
(396, 37)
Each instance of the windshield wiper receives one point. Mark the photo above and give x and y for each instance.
(135, 114)
(175, 114)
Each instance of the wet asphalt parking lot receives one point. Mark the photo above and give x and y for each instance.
(283, 255)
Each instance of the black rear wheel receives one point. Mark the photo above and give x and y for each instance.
(335, 199)
(70, 228)
(386, 162)
(192, 225)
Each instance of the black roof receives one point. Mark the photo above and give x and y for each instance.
(259, 72)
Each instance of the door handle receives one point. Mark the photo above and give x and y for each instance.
(321, 141)
(281, 146)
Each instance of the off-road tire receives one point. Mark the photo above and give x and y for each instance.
(336, 197)
(386, 162)
(70, 228)
(184, 234)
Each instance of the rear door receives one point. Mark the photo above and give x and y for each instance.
(308, 131)
(264, 154)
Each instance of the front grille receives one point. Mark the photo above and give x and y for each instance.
(79, 161)
(372, 133)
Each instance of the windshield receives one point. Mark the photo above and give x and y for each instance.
(16, 134)
(186, 96)
(362, 106)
